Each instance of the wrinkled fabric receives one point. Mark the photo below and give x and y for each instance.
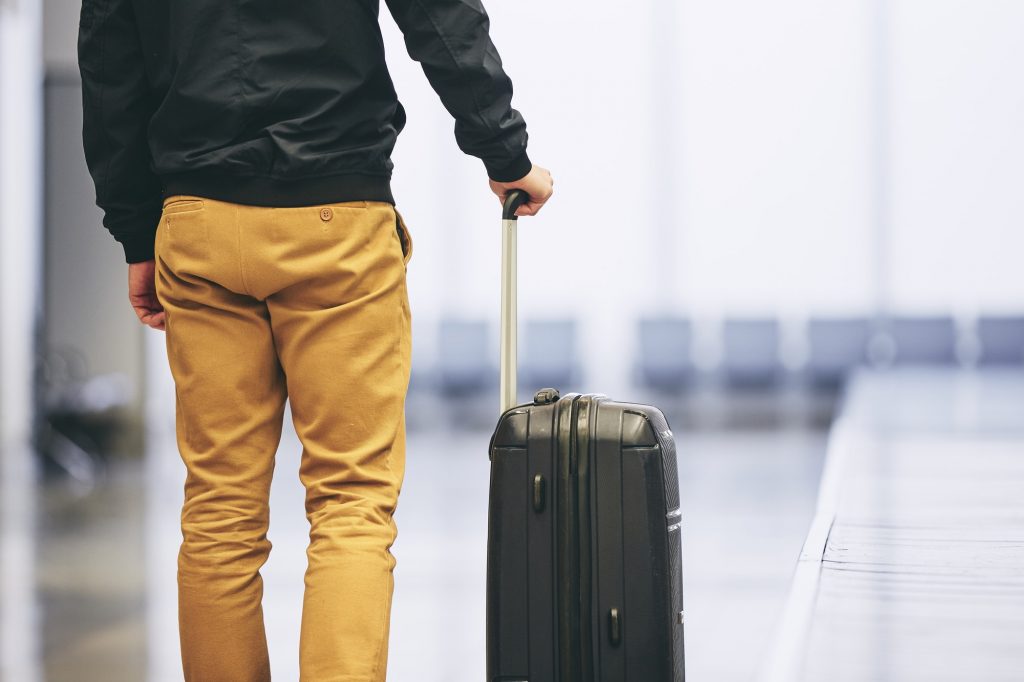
(310, 307)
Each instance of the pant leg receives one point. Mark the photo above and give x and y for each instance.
(230, 395)
(341, 322)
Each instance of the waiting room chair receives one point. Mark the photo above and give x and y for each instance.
(924, 340)
(1001, 340)
(665, 360)
(467, 359)
(835, 346)
(750, 352)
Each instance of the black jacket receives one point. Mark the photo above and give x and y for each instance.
(273, 102)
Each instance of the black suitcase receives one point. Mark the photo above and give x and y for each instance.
(584, 558)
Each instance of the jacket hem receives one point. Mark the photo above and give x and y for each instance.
(264, 191)
(139, 249)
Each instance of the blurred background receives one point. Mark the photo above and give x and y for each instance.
(753, 200)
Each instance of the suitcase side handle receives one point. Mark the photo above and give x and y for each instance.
(509, 332)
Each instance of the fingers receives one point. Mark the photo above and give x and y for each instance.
(154, 320)
(142, 294)
(529, 209)
(151, 317)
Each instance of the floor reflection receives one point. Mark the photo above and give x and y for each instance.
(107, 560)
(91, 578)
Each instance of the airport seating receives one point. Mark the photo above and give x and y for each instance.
(924, 340)
(467, 357)
(750, 352)
(664, 360)
(835, 346)
(1001, 340)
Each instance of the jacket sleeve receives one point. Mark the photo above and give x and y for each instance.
(117, 106)
(450, 39)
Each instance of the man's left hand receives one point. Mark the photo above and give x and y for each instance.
(142, 293)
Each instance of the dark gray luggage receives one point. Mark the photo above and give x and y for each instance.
(584, 560)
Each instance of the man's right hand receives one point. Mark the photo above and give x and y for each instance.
(537, 183)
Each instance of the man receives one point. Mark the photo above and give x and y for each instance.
(241, 154)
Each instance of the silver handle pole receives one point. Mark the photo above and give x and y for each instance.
(509, 332)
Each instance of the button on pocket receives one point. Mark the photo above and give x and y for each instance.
(326, 214)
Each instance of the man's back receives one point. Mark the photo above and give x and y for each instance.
(272, 103)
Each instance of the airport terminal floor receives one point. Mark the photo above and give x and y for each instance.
(913, 569)
(907, 509)
(107, 560)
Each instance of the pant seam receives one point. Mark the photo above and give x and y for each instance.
(238, 241)
(400, 340)
(378, 663)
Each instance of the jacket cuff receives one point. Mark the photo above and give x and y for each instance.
(509, 171)
(138, 247)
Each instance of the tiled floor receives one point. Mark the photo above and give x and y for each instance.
(107, 569)
(917, 573)
(91, 580)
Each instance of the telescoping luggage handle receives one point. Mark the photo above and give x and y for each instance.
(513, 200)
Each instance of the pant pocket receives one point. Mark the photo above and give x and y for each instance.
(181, 203)
(403, 236)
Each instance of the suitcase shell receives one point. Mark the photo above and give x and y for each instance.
(584, 560)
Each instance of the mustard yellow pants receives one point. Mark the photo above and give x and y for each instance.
(308, 304)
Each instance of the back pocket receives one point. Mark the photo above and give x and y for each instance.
(181, 204)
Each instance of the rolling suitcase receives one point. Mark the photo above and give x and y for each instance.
(584, 554)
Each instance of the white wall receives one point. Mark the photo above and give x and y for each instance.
(588, 253)
(20, 245)
(775, 159)
(957, 154)
(823, 158)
